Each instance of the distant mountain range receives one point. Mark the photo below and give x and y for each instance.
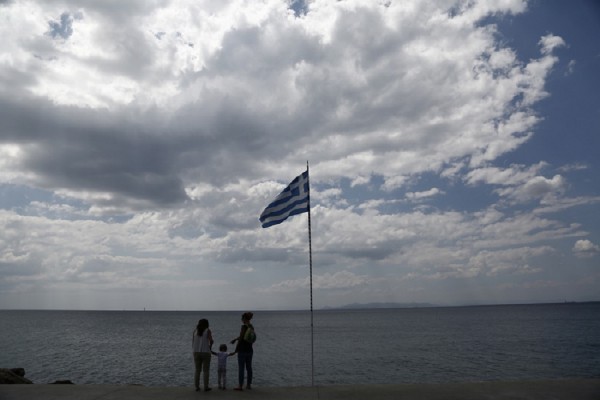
(362, 306)
(355, 306)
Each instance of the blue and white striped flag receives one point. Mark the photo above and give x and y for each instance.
(293, 200)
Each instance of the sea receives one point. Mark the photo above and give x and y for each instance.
(361, 346)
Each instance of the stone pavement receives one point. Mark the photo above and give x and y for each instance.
(567, 389)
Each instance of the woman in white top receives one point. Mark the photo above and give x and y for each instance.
(202, 342)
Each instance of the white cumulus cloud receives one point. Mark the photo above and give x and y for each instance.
(585, 248)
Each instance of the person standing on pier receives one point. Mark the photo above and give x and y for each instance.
(245, 351)
(202, 342)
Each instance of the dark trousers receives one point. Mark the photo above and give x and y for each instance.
(244, 362)
(202, 364)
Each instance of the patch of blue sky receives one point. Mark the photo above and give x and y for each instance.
(300, 7)
(453, 194)
(31, 201)
(572, 108)
(15, 197)
(429, 192)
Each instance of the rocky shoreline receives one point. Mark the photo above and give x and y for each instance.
(13, 376)
(10, 376)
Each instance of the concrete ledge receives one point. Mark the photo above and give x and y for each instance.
(567, 389)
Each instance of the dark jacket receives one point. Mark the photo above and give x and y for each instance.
(242, 345)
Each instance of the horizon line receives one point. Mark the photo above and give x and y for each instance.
(348, 307)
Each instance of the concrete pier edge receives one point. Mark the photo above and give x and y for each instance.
(560, 389)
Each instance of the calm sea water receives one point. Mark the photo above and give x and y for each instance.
(422, 345)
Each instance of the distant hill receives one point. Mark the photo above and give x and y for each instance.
(360, 306)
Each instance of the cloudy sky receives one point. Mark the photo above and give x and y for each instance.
(453, 152)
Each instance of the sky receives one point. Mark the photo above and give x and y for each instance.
(453, 151)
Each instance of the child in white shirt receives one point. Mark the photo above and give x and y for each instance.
(222, 365)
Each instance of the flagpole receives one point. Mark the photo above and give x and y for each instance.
(293, 200)
(312, 342)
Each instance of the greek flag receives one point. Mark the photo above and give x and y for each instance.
(293, 200)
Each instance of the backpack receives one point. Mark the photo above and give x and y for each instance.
(250, 335)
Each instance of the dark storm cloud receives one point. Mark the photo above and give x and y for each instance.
(222, 138)
(141, 158)
(92, 150)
